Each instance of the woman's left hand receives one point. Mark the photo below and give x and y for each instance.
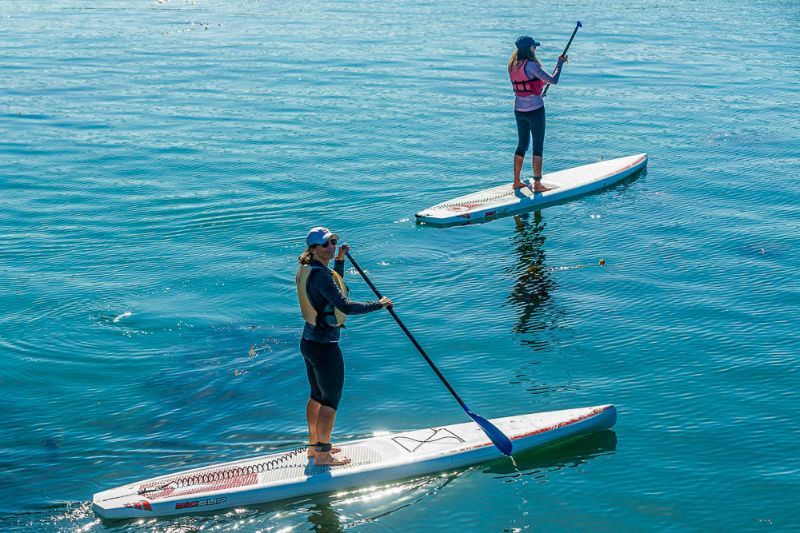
(343, 249)
(563, 59)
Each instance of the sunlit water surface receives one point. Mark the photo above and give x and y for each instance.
(161, 161)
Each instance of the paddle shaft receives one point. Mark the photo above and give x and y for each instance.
(408, 334)
(566, 48)
(498, 438)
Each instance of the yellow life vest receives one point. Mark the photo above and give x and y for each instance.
(330, 315)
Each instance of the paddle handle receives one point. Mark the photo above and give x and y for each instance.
(566, 48)
(408, 334)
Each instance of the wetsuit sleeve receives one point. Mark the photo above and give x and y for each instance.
(330, 291)
(338, 267)
(532, 69)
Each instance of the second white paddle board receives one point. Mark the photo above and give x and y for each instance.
(503, 200)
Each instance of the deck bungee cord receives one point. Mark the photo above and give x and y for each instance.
(226, 473)
(476, 201)
(419, 442)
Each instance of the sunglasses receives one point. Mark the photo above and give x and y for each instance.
(329, 241)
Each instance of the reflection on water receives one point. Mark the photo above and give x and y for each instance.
(538, 462)
(369, 504)
(323, 517)
(532, 291)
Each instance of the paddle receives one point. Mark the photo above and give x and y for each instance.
(497, 437)
(578, 25)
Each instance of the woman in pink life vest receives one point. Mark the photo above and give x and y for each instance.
(528, 79)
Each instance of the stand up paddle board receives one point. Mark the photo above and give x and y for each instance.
(376, 460)
(503, 200)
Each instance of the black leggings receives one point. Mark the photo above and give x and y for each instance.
(325, 371)
(530, 123)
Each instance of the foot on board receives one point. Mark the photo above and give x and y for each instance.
(326, 459)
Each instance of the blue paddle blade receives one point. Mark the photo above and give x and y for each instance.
(497, 437)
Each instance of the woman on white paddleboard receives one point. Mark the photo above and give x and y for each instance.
(528, 78)
(324, 304)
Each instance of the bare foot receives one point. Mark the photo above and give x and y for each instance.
(326, 459)
(538, 187)
(518, 185)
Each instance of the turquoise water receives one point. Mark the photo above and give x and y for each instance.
(160, 163)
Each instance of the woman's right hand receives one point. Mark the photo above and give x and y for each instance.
(386, 302)
(563, 59)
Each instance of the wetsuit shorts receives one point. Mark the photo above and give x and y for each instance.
(325, 371)
(530, 124)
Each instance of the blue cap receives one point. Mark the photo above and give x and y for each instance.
(526, 42)
(319, 235)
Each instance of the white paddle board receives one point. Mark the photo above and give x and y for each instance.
(375, 460)
(503, 200)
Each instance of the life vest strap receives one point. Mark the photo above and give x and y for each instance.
(522, 85)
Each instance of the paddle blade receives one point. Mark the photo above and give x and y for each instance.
(497, 437)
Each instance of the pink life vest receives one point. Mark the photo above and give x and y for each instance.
(524, 86)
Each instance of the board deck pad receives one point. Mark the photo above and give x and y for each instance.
(374, 460)
(504, 200)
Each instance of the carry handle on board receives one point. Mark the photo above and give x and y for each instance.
(497, 437)
(577, 25)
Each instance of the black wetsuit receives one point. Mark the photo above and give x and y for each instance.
(320, 343)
